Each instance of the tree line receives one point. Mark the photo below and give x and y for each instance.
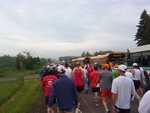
(23, 60)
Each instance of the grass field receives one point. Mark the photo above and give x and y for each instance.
(10, 72)
(18, 95)
(7, 89)
(21, 101)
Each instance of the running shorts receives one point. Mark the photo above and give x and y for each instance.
(105, 93)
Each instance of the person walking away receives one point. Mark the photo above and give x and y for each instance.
(138, 79)
(130, 75)
(105, 80)
(115, 73)
(78, 77)
(144, 106)
(68, 71)
(47, 82)
(86, 80)
(122, 91)
(64, 94)
(94, 77)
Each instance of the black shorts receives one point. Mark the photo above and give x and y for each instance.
(66, 110)
(120, 110)
(46, 100)
(80, 88)
(95, 89)
(137, 84)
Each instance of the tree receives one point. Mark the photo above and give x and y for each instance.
(20, 59)
(142, 36)
(24, 60)
(28, 61)
(96, 53)
(83, 54)
(88, 54)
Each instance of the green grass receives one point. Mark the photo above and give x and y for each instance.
(7, 89)
(23, 99)
(10, 72)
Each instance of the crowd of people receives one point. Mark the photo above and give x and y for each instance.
(63, 84)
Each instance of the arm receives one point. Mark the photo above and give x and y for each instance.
(114, 91)
(134, 93)
(114, 99)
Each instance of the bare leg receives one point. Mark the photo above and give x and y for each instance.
(104, 101)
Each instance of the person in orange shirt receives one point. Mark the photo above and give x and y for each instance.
(105, 86)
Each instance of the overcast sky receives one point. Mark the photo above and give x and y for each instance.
(52, 28)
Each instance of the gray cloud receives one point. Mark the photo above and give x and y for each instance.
(67, 27)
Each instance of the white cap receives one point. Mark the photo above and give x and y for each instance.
(60, 68)
(48, 66)
(135, 64)
(122, 67)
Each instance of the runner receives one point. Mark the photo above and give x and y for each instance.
(64, 94)
(138, 79)
(68, 71)
(47, 82)
(105, 86)
(86, 80)
(115, 73)
(94, 77)
(122, 89)
(78, 77)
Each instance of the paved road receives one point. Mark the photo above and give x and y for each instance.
(89, 104)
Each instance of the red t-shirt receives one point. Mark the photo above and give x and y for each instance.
(47, 83)
(90, 69)
(78, 77)
(94, 76)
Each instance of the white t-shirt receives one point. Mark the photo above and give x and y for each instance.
(85, 73)
(137, 74)
(144, 106)
(124, 88)
(68, 72)
(129, 75)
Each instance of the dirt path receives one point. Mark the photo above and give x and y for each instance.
(89, 104)
(39, 107)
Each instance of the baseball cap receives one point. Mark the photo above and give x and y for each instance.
(135, 64)
(122, 67)
(61, 68)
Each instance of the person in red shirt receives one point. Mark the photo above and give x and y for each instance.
(94, 77)
(78, 77)
(47, 83)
